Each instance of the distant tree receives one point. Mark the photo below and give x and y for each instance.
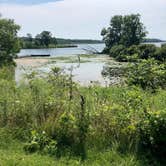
(44, 38)
(54, 41)
(38, 40)
(9, 42)
(29, 37)
(126, 30)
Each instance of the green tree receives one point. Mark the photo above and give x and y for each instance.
(9, 42)
(44, 38)
(29, 37)
(126, 30)
(133, 30)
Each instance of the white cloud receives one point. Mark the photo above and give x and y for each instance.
(85, 18)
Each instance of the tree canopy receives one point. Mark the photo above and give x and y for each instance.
(42, 40)
(9, 42)
(126, 30)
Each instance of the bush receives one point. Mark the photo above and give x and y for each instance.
(153, 132)
(161, 54)
(147, 51)
(163, 45)
(148, 74)
(51, 148)
(136, 52)
(116, 50)
(40, 142)
(7, 73)
(31, 147)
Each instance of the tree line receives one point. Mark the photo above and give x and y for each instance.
(43, 40)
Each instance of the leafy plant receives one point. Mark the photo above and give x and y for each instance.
(148, 74)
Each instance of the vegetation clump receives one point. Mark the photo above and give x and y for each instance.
(9, 42)
(136, 53)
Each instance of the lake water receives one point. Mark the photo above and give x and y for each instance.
(81, 49)
(85, 74)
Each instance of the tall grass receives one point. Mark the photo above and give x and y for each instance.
(93, 118)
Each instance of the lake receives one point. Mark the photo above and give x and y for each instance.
(81, 49)
(86, 73)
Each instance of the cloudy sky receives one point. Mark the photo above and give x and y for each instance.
(82, 18)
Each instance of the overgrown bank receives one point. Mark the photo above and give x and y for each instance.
(54, 116)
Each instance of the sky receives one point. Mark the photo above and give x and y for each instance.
(82, 19)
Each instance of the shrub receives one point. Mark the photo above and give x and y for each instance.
(51, 148)
(148, 74)
(116, 50)
(136, 52)
(161, 54)
(147, 51)
(153, 132)
(40, 142)
(7, 73)
(31, 147)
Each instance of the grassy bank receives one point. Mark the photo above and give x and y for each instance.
(53, 120)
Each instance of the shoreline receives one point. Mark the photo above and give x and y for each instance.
(31, 61)
(41, 64)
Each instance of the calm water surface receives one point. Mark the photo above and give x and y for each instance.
(81, 49)
(87, 72)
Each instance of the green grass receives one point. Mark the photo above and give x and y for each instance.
(15, 156)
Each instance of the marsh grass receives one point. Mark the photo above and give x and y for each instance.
(79, 119)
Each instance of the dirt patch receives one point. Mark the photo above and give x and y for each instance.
(31, 62)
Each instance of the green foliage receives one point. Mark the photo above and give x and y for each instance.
(133, 30)
(116, 50)
(130, 54)
(51, 148)
(9, 42)
(14, 155)
(31, 147)
(93, 118)
(147, 51)
(7, 72)
(148, 74)
(126, 30)
(161, 53)
(40, 142)
(42, 40)
(153, 133)
(135, 53)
